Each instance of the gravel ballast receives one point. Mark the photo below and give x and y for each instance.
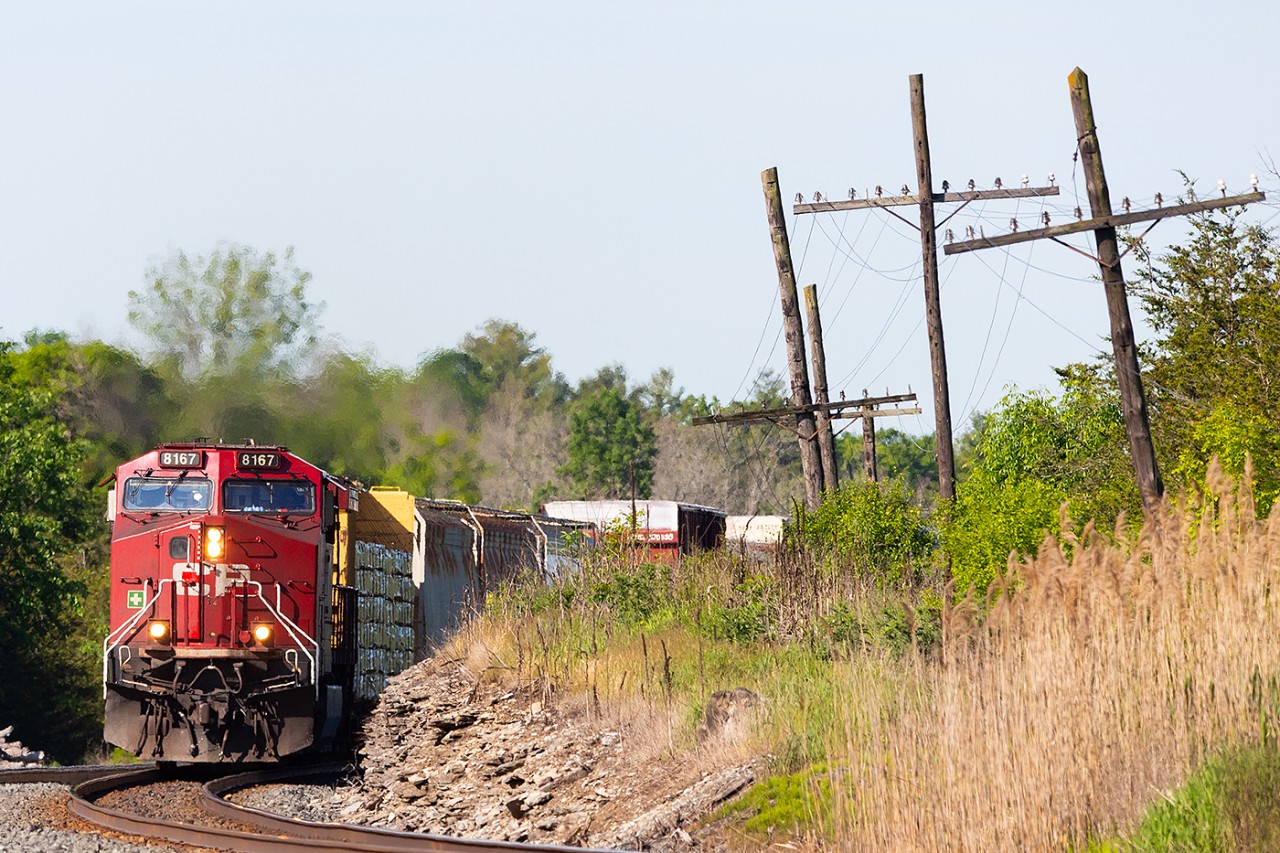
(33, 818)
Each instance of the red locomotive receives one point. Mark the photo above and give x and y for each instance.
(256, 599)
(231, 619)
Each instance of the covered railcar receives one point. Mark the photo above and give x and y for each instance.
(461, 552)
(662, 530)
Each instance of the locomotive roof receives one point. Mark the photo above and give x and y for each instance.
(218, 445)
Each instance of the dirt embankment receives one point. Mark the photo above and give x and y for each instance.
(450, 753)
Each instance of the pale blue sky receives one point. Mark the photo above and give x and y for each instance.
(591, 170)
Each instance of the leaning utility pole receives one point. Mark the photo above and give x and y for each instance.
(1103, 224)
(806, 426)
(932, 301)
(925, 198)
(826, 436)
(1132, 401)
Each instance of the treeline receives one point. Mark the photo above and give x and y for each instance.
(233, 348)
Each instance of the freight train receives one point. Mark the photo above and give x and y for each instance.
(257, 599)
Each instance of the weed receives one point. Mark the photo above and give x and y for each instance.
(798, 803)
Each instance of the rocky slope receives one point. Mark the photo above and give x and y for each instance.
(450, 753)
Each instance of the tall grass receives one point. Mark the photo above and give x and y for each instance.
(1094, 680)
(1102, 676)
(630, 641)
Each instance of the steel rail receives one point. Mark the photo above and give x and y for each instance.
(71, 775)
(279, 834)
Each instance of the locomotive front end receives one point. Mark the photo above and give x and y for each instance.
(213, 653)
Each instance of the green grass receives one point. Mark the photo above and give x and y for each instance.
(799, 804)
(1231, 804)
(674, 635)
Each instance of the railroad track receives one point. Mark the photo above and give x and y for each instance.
(228, 826)
(64, 775)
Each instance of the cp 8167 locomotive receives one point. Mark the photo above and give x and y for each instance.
(232, 615)
(255, 598)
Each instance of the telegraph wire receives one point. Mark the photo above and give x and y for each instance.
(768, 321)
(862, 268)
(966, 410)
(986, 341)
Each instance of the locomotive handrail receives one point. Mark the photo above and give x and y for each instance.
(110, 644)
(299, 636)
(108, 648)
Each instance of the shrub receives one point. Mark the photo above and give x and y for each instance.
(1230, 804)
(636, 594)
(792, 803)
(896, 628)
(990, 520)
(874, 529)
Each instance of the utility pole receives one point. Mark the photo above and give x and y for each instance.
(1103, 224)
(826, 436)
(1132, 400)
(806, 426)
(925, 198)
(932, 301)
(869, 445)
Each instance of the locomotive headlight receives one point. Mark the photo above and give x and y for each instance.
(262, 633)
(159, 631)
(215, 542)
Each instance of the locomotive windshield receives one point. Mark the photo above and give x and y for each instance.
(269, 496)
(166, 494)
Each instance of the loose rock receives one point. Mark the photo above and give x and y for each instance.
(436, 758)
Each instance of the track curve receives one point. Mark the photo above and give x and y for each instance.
(264, 832)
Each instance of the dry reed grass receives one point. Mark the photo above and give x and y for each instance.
(1095, 679)
(1101, 676)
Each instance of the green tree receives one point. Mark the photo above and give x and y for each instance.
(910, 458)
(876, 529)
(609, 437)
(338, 416)
(104, 394)
(231, 312)
(1034, 453)
(513, 363)
(661, 396)
(46, 519)
(1211, 377)
(453, 377)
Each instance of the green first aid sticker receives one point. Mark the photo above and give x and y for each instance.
(135, 598)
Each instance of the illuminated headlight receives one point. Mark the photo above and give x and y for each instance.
(262, 633)
(159, 631)
(215, 543)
